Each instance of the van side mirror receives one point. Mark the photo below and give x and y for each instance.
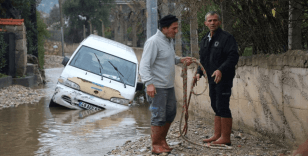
(140, 86)
(65, 60)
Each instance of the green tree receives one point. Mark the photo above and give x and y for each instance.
(81, 12)
(42, 34)
(54, 16)
(25, 9)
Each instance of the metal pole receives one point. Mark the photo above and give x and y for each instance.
(61, 17)
(62, 39)
(151, 17)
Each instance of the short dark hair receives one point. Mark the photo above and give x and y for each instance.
(167, 21)
(212, 13)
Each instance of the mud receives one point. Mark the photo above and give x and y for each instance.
(243, 144)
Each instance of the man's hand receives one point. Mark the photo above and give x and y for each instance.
(187, 59)
(151, 91)
(196, 78)
(218, 76)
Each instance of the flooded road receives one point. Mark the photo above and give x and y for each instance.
(36, 129)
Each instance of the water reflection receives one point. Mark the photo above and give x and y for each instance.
(36, 129)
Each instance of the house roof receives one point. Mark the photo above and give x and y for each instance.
(11, 21)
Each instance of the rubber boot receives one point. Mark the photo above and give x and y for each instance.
(166, 129)
(157, 147)
(217, 130)
(226, 127)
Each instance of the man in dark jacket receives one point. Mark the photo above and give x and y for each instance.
(219, 56)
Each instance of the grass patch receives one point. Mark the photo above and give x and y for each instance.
(2, 75)
(247, 51)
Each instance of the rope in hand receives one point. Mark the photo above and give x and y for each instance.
(186, 106)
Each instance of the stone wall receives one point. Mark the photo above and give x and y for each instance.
(20, 49)
(55, 48)
(269, 96)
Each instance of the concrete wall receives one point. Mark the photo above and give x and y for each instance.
(269, 96)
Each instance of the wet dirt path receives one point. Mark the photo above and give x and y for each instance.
(36, 129)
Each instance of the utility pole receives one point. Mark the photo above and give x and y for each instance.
(61, 16)
(61, 23)
(151, 17)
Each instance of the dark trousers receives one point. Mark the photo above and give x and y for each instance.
(220, 98)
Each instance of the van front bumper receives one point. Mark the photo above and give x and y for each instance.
(71, 98)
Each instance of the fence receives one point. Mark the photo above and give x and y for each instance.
(130, 22)
(258, 27)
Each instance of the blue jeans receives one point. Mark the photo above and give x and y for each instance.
(163, 106)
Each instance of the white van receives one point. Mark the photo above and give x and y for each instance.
(101, 74)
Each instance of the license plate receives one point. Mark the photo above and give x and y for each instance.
(87, 106)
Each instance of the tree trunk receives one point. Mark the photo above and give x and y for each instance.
(103, 30)
(90, 27)
(134, 31)
(84, 31)
(295, 36)
(193, 33)
(226, 16)
(163, 7)
(116, 27)
(34, 49)
(178, 37)
(125, 32)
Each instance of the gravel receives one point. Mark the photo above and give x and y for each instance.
(15, 95)
(243, 144)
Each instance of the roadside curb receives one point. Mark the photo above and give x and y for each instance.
(27, 81)
(6, 81)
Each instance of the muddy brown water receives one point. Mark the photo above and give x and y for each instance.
(36, 129)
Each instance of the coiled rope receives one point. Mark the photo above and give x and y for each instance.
(186, 106)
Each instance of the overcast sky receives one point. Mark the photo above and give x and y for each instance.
(46, 5)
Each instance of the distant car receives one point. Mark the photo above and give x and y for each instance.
(101, 74)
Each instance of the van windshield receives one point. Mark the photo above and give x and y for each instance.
(85, 59)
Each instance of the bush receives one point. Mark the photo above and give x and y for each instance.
(2, 75)
(3, 46)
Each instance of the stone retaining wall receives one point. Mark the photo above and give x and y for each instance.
(55, 48)
(20, 49)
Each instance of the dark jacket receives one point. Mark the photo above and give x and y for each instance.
(220, 53)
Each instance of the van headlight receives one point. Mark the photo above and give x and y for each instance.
(68, 83)
(120, 101)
